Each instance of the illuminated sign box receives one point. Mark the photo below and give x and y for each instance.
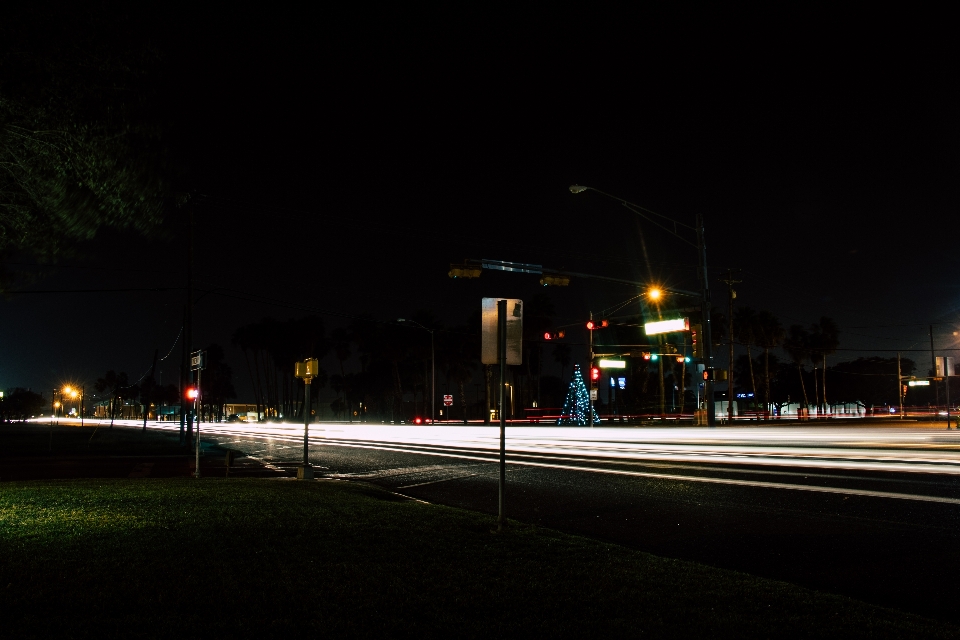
(613, 364)
(667, 326)
(919, 383)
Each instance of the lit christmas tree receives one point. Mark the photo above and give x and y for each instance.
(576, 408)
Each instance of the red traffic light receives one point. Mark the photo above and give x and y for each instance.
(192, 393)
(591, 325)
(597, 324)
(552, 335)
(646, 355)
(547, 336)
(594, 373)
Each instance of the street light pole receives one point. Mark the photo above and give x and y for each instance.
(433, 369)
(704, 282)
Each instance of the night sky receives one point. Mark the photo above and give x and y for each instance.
(343, 160)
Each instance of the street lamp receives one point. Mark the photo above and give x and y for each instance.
(704, 282)
(433, 369)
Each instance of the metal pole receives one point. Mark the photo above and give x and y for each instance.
(590, 371)
(196, 435)
(502, 359)
(705, 326)
(946, 382)
(900, 385)
(933, 367)
(81, 404)
(307, 470)
(433, 380)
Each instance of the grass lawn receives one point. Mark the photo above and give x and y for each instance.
(212, 557)
(37, 439)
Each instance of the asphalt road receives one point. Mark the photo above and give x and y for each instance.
(866, 511)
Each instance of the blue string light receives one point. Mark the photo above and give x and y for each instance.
(576, 408)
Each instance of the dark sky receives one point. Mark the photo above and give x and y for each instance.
(344, 160)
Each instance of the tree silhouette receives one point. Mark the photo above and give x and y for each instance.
(770, 336)
(80, 141)
(112, 383)
(797, 346)
(824, 340)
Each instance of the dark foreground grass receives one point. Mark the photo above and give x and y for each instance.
(35, 439)
(212, 558)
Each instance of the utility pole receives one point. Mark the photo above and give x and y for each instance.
(589, 368)
(706, 326)
(502, 361)
(933, 369)
(730, 280)
(900, 385)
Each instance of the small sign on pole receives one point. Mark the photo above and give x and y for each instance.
(198, 360)
(448, 400)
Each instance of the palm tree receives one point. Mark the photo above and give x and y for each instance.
(113, 383)
(824, 340)
(797, 346)
(341, 347)
(771, 335)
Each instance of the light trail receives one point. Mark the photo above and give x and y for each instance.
(600, 450)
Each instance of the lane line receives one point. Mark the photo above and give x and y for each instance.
(679, 478)
(423, 484)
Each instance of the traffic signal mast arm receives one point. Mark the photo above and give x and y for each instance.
(557, 275)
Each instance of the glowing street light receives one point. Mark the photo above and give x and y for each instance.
(654, 293)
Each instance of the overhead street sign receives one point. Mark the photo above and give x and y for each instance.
(667, 326)
(612, 364)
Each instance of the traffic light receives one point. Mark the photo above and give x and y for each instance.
(553, 335)
(646, 355)
(557, 281)
(463, 271)
(192, 393)
(695, 338)
(597, 324)
(594, 373)
(681, 359)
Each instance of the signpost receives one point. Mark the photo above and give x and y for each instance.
(501, 344)
(448, 400)
(198, 362)
(306, 370)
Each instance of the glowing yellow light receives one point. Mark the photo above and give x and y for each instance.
(654, 293)
(56, 405)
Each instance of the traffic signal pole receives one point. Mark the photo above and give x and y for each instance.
(704, 281)
(590, 368)
(502, 359)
